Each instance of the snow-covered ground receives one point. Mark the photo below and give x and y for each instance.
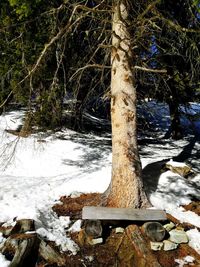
(36, 171)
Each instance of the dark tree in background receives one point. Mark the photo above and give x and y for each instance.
(171, 43)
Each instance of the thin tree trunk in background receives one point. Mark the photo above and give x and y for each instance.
(126, 188)
(175, 128)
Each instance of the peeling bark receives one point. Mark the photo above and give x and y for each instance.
(126, 188)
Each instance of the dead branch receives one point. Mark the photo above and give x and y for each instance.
(149, 7)
(7, 98)
(97, 66)
(149, 70)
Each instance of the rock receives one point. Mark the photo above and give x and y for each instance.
(89, 258)
(168, 227)
(178, 167)
(154, 231)
(96, 241)
(178, 236)
(93, 228)
(156, 245)
(168, 245)
(119, 230)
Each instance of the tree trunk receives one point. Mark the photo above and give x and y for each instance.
(126, 188)
(175, 129)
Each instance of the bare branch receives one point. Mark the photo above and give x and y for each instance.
(7, 98)
(150, 70)
(97, 66)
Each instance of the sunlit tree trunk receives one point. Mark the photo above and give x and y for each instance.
(126, 188)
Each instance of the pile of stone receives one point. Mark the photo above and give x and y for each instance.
(164, 237)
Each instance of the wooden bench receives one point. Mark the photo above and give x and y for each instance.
(97, 219)
(124, 214)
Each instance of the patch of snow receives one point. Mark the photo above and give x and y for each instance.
(10, 222)
(36, 171)
(11, 120)
(184, 261)
(194, 239)
(3, 261)
(76, 227)
(185, 216)
(172, 191)
(162, 150)
(53, 228)
(196, 180)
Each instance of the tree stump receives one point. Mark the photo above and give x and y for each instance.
(25, 248)
(50, 254)
(23, 226)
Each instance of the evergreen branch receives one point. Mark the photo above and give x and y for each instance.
(67, 28)
(62, 31)
(174, 25)
(49, 12)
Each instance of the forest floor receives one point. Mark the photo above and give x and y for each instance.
(35, 172)
(118, 249)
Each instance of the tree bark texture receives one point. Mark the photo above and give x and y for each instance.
(126, 188)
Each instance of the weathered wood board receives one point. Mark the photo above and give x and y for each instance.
(125, 214)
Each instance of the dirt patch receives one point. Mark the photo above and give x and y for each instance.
(184, 225)
(167, 258)
(72, 206)
(193, 206)
(126, 247)
(117, 248)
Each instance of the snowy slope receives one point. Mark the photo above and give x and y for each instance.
(36, 171)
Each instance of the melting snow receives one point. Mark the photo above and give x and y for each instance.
(36, 171)
(185, 260)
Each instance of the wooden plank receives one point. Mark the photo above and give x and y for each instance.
(126, 214)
